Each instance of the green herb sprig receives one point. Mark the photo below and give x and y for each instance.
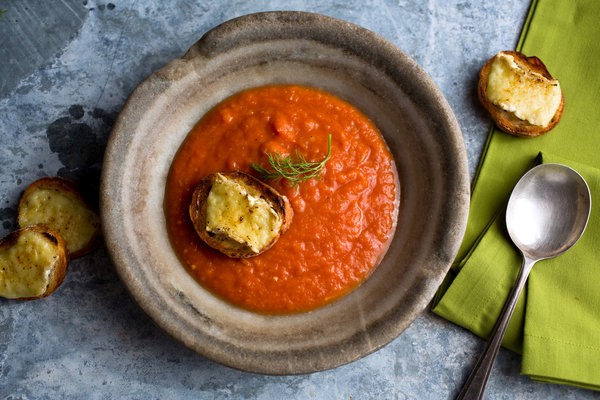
(294, 169)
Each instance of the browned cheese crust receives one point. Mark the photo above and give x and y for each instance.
(66, 226)
(506, 120)
(198, 206)
(58, 269)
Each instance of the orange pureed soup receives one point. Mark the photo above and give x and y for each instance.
(343, 222)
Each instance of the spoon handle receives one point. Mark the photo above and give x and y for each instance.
(475, 384)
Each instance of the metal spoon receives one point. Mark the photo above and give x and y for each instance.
(547, 213)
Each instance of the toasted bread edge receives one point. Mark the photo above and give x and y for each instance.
(506, 120)
(197, 211)
(67, 186)
(58, 269)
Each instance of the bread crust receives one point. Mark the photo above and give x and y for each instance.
(66, 188)
(506, 120)
(60, 265)
(198, 205)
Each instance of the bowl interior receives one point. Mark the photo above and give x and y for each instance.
(306, 49)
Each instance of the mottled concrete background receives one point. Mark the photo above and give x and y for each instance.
(66, 68)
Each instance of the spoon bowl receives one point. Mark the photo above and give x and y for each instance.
(548, 211)
(546, 215)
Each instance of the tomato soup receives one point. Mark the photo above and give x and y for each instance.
(343, 221)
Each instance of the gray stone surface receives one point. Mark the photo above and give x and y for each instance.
(66, 69)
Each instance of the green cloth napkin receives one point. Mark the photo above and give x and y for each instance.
(556, 325)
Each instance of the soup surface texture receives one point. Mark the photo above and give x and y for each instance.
(343, 221)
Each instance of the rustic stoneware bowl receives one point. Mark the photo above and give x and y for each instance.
(308, 49)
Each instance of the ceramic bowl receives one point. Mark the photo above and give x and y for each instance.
(307, 49)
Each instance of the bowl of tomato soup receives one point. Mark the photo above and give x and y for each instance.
(373, 234)
(343, 219)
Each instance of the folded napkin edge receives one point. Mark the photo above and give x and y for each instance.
(550, 368)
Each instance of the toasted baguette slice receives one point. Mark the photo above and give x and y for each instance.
(239, 215)
(56, 203)
(534, 73)
(33, 263)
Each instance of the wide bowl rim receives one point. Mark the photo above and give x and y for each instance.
(356, 41)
